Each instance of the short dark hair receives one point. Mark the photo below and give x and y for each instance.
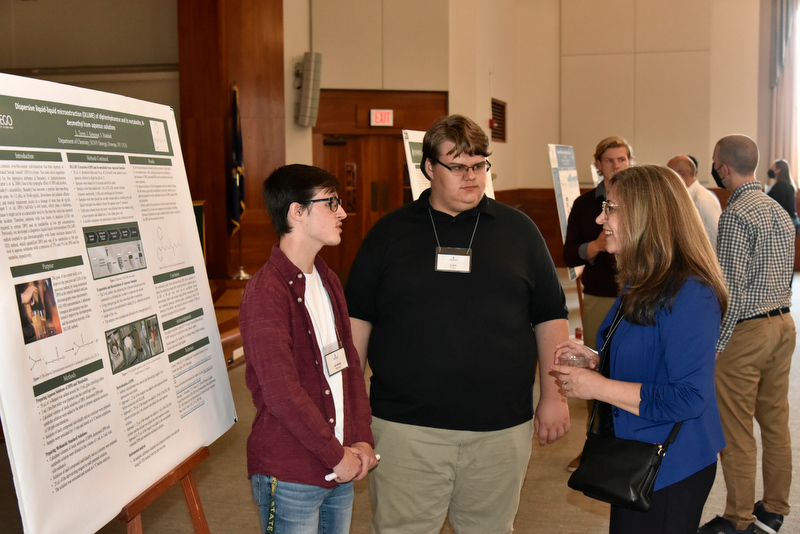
(739, 152)
(465, 133)
(293, 183)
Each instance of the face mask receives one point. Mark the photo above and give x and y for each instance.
(770, 174)
(716, 177)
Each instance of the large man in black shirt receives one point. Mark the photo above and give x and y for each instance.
(450, 297)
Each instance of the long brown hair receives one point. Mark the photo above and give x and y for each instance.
(784, 172)
(662, 240)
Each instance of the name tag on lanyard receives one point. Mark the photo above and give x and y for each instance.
(336, 361)
(453, 260)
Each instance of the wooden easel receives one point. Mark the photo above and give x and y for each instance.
(132, 513)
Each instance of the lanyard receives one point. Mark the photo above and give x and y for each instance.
(437, 235)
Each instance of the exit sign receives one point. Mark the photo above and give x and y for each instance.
(381, 117)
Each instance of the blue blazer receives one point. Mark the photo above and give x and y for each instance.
(674, 360)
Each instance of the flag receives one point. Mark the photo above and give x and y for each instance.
(236, 180)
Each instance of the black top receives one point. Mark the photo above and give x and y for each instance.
(454, 350)
(598, 276)
(784, 194)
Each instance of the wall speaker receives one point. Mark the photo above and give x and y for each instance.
(308, 106)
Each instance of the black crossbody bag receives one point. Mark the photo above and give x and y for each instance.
(619, 471)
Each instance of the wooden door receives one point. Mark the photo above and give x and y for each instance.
(369, 161)
(374, 181)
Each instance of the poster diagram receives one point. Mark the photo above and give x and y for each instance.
(114, 249)
(111, 366)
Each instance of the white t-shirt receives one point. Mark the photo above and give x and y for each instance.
(710, 209)
(318, 304)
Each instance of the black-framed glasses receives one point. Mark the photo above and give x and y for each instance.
(609, 207)
(460, 170)
(332, 202)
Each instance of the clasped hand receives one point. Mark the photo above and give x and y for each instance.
(358, 459)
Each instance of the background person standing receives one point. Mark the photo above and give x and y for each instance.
(756, 342)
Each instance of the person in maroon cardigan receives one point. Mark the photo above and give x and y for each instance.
(311, 435)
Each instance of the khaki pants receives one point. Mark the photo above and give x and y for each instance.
(752, 379)
(595, 310)
(425, 473)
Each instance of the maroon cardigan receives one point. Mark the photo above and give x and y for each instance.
(293, 437)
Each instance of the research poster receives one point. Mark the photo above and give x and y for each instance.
(111, 367)
(412, 142)
(565, 183)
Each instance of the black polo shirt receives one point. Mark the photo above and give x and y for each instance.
(454, 350)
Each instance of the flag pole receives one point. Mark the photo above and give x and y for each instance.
(237, 209)
(241, 275)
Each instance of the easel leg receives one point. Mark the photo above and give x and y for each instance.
(194, 504)
(135, 525)
(132, 513)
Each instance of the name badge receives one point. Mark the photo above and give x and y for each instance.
(336, 361)
(453, 260)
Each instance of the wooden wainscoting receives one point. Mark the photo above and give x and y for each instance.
(540, 206)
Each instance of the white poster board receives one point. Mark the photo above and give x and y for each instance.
(111, 367)
(595, 175)
(412, 141)
(567, 189)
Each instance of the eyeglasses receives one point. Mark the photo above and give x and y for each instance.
(332, 202)
(609, 207)
(460, 170)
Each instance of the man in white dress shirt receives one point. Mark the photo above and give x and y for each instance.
(707, 202)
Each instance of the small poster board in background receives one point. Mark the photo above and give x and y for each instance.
(567, 189)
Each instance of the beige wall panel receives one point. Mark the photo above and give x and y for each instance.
(468, 68)
(504, 63)
(70, 33)
(595, 27)
(764, 97)
(415, 45)
(734, 68)
(296, 39)
(533, 120)
(672, 103)
(677, 25)
(349, 35)
(597, 100)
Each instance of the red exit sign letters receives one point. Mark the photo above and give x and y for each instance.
(381, 117)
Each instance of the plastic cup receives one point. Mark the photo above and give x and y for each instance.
(574, 360)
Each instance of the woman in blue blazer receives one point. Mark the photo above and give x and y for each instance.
(661, 360)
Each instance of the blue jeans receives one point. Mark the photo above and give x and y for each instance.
(302, 508)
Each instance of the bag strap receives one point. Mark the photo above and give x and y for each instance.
(671, 438)
(605, 351)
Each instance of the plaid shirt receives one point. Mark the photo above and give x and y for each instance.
(756, 252)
